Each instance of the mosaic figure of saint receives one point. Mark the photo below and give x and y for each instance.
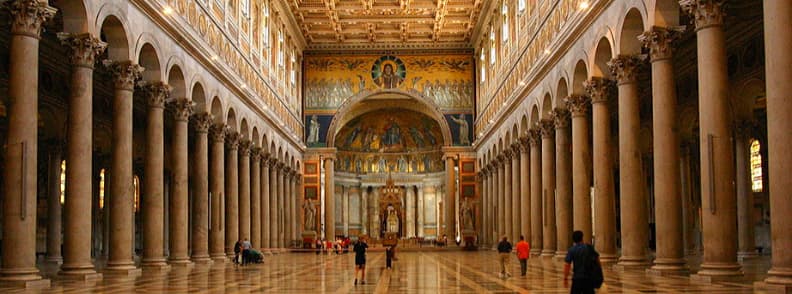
(463, 129)
(389, 79)
(313, 130)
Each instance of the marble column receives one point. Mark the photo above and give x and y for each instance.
(179, 204)
(243, 154)
(20, 180)
(515, 195)
(345, 209)
(54, 216)
(547, 128)
(507, 194)
(283, 206)
(563, 173)
(273, 200)
(537, 232)
(421, 212)
(778, 39)
(79, 154)
(410, 212)
(299, 201)
(718, 197)
(450, 203)
(670, 254)
(217, 133)
(200, 209)
(287, 197)
(231, 192)
(329, 198)
(265, 200)
(525, 188)
(122, 227)
(578, 106)
(500, 213)
(745, 223)
(604, 200)
(632, 195)
(292, 198)
(152, 200)
(255, 197)
(365, 209)
(485, 197)
(375, 220)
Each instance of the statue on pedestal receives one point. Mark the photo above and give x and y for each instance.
(309, 209)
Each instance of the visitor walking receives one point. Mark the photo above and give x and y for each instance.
(523, 250)
(237, 251)
(586, 267)
(360, 260)
(389, 253)
(504, 250)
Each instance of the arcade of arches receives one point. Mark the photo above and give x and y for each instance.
(149, 136)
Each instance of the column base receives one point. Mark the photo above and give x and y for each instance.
(28, 278)
(773, 288)
(717, 272)
(181, 262)
(201, 259)
(533, 252)
(608, 258)
(155, 264)
(747, 255)
(54, 259)
(26, 284)
(669, 267)
(81, 275)
(777, 281)
(123, 269)
(548, 253)
(560, 255)
(631, 263)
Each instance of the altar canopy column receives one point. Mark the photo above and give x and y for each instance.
(547, 127)
(266, 241)
(604, 202)
(79, 158)
(410, 221)
(121, 191)
(329, 198)
(200, 218)
(578, 106)
(515, 189)
(450, 204)
(670, 254)
(507, 194)
(421, 213)
(718, 197)
(632, 195)
(563, 166)
(231, 192)
(19, 213)
(255, 197)
(216, 180)
(778, 40)
(244, 189)
(178, 208)
(535, 138)
(525, 188)
(153, 201)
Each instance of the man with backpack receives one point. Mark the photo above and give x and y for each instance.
(586, 267)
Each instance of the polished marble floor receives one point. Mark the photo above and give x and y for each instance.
(413, 272)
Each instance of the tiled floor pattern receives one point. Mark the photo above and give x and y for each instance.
(414, 272)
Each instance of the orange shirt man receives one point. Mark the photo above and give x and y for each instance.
(523, 250)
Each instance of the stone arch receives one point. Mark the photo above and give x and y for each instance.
(231, 120)
(561, 93)
(515, 133)
(177, 83)
(580, 75)
(666, 13)
(632, 26)
(524, 126)
(534, 116)
(112, 32)
(217, 110)
(254, 137)
(745, 97)
(244, 130)
(75, 16)
(149, 59)
(199, 98)
(603, 53)
(421, 104)
(547, 106)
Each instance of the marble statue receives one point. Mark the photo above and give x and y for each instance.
(313, 130)
(467, 215)
(463, 129)
(392, 220)
(309, 208)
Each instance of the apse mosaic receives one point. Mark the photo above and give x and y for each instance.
(445, 79)
(384, 141)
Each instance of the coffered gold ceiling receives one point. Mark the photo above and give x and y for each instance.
(377, 24)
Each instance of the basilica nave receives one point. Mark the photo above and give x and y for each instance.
(143, 138)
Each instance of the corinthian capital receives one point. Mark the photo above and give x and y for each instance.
(232, 140)
(202, 122)
(217, 132)
(535, 137)
(125, 73)
(599, 89)
(255, 155)
(182, 108)
(578, 105)
(660, 41)
(560, 117)
(28, 15)
(625, 67)
(156, 93)
(547, 128)
(244, 147)
(83, 48)
(707, 13)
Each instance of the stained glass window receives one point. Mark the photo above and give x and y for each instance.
(756, 166)
(101, 188)
(63, 182)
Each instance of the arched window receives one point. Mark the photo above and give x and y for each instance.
(280, 48)
(136, 192)
(483, 66)
(63, 182)
(293, 73)
(521, 6)
(505, 24)
(756, 166)
(265, 23)
(492, 46)
(101, 188)
(245, 7)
